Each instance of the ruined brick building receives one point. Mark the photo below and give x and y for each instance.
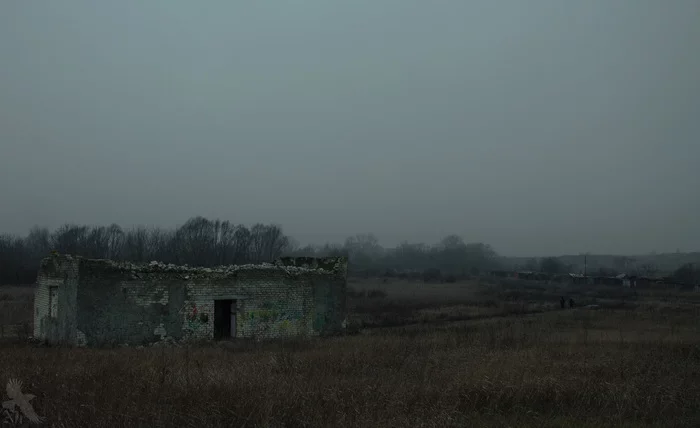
(98, 302)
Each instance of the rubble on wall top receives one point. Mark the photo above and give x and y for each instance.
(329, 265)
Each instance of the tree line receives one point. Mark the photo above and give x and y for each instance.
(204, 242)
(451, 257)
(198, 242)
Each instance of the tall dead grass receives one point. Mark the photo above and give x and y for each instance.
(16, 308)
(572, 368)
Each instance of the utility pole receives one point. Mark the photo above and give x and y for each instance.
(585, 264)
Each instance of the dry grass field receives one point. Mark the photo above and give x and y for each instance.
(16, 306)
(443, 355)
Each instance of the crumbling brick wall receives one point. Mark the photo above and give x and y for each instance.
(54, 298)
(141, 303)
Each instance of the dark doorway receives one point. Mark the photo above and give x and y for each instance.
(224, 319)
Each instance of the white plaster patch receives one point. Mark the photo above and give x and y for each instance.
(81, 340)
(160, 331)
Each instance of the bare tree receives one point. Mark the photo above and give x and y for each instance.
(38, 243)
(159, 245)
(96, 243)
(266, 242)
(241, 245)
(115, 241)
(13, 259)
(194, 242)
(452, 242)
(135, 244)
(70, 239)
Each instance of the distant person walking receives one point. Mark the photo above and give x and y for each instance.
(562, 301)
(571, 303)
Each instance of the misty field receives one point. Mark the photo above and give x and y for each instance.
(433, 355)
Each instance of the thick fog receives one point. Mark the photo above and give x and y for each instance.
(539, 127)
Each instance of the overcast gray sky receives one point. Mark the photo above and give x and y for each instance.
(540, 127)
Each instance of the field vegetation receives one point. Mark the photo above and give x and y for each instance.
(479, 353)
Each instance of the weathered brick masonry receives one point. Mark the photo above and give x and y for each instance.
(98, 302)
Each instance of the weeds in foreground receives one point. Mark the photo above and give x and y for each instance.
(555, 369)
(635, 365)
